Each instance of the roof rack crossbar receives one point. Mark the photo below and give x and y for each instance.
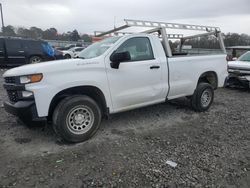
(160, 25)
(170, 36)
(112, 30)
(117, 33)
(142, 23)
(175, 36)
(201, 35)
(158, 30)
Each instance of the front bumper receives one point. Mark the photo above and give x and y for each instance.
(19, 105)
(25, 110)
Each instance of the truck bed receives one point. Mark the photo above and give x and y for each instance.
(185, 71)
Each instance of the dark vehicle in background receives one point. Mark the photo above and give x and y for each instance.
(18, 51)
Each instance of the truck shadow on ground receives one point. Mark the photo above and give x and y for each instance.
(125, 123)
(21, 140)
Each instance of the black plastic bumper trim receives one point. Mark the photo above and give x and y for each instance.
(24, 110)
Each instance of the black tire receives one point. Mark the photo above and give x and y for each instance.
(35, 59)
(67, 56)
(203, 97)
(65, 118)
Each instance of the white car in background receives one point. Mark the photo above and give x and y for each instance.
(78, 51)
(72, 52)
(239, 71)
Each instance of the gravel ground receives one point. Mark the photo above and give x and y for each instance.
(211, 149)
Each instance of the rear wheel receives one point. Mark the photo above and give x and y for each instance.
(67, 56)
(76, 118)
(203, 97)
(35, 59)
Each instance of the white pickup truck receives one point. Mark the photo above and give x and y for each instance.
(111, 76)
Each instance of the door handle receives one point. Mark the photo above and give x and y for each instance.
(21, 51)
(155, 67)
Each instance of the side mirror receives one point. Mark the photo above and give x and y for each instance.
(117, 58)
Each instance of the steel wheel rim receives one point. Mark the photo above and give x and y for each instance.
(206, 98)
(80, 119)
(36, 60)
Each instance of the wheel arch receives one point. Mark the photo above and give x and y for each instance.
(90, 91)
(33, 55)
(209, 77)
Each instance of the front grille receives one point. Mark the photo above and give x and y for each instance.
(13, 88)
(10, 80)
(13, 96)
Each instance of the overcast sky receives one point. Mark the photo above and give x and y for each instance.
(89, 15)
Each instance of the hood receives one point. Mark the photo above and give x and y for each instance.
(51, 66)
(239, 64)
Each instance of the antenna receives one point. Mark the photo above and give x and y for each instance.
(114, 22)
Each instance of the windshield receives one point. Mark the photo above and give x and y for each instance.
(98, 48)
(245, 57)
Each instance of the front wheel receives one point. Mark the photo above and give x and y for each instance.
(76, 118)
(203, 97)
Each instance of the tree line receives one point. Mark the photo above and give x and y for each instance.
(48, 34)
(210, 42)
(230, 39)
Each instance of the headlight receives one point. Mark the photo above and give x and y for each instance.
(33, 78)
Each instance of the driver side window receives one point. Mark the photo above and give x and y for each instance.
(139, 48)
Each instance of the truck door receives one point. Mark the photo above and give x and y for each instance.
(138, 81)
(15, 52)
(2, 53)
